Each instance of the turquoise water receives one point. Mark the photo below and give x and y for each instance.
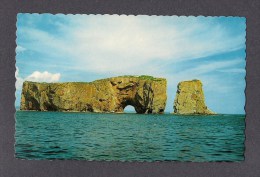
(129, 137)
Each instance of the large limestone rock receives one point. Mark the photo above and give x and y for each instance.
(190, 99)
(145, 93)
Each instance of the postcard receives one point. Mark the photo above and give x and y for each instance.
(130, 88)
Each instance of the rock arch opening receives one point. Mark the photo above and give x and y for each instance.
(129, 109)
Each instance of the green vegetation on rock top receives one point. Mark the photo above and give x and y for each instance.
(147, 77)
(144, 77)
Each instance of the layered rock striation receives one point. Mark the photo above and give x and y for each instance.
(145, 93)
(190, 98)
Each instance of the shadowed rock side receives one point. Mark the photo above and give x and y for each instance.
(190, 98)
(145, 93)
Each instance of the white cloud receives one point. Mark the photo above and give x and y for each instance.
(129, 42)
(45, 76)
(125, 44)
(211, 66)
(19, 80)
(20, 49)
(201, 71)
(36, 76)
(233, 70)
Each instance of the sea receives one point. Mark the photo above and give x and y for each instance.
(129, 137)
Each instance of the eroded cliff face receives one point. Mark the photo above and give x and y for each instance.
(190, 98)
(145, 93)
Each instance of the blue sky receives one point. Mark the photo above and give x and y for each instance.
(59, 48)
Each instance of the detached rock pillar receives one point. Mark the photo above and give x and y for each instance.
(190, 98)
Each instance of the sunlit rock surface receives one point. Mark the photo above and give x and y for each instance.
(190, 98)
(145, 93)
